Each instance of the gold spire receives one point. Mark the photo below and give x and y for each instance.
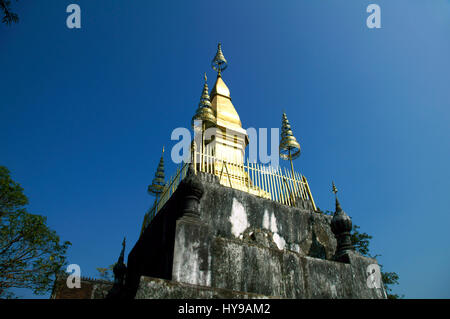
(204, 112)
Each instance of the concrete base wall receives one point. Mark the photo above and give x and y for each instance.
(241, 242)
(236, 265)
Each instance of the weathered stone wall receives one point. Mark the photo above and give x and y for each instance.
(231, 212)
(155, 288)
(240, 242)
(234, 264)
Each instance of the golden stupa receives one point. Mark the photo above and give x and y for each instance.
(223, 140)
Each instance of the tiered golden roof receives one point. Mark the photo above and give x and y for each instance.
(204, 112)
(289, 147)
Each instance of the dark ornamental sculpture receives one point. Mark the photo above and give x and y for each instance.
(191, 189)
(119, 271)
(341, 225)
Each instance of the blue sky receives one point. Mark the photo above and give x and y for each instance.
(84, 113)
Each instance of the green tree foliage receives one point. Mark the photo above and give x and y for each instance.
(11, 194)
(9, 17)
(360, 241)
(106, 273)
(30, 252)
(390, 278)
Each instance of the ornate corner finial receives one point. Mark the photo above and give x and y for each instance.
(341, 226)
(206, 78)
(157, 185)
(219, 63)
(191, 190)
(119, 271)
(334, 189)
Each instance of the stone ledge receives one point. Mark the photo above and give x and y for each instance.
(155, 288)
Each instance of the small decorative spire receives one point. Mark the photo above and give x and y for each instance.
(219, 63)
(289, 147)
(157, 186)
(204, 111)
(204, 98)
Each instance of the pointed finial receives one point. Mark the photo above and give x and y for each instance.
(206, 78)
(338, 206)
(122, 252)
(219, 63)
(163, 149)
(334, 189)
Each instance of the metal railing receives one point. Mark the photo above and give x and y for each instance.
(277, 184)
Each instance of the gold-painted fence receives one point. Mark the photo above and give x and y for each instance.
(277, 184)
